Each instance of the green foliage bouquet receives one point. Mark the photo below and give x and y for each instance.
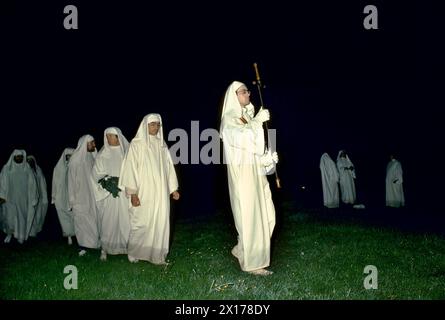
(110, 184)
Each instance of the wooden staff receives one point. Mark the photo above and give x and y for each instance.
(266, 128)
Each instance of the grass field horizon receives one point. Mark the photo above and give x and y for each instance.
(314, 257)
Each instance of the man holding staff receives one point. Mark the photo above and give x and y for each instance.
(250, 196)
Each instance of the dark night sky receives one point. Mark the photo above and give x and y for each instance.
(331, 84)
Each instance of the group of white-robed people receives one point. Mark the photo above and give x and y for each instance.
(343, 173)
(136, 222)
(147, 178)
(118, 199)
(23, 197)
(133, 218)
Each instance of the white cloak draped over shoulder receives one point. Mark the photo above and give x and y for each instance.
(250, 195)
(395, 196)
(329, 179)
(59, 194)
(148, 171)
(81, 195)
(18, 186)
(113, 213)
(347, 176)
(42, 205)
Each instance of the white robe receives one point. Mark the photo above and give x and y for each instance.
(2, 218)
(394, 185)
(81, 196)
(329, 179)
(114, 216)
(59, 194)
(18, 187)
(250, 195)
(347, 176)
(148, 171)
(42, 205)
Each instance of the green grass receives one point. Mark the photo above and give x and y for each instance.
(311, 260)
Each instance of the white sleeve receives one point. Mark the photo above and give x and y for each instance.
(248, 136)
(171, 173)
(128, 178)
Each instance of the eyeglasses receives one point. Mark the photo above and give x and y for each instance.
(244, 91)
